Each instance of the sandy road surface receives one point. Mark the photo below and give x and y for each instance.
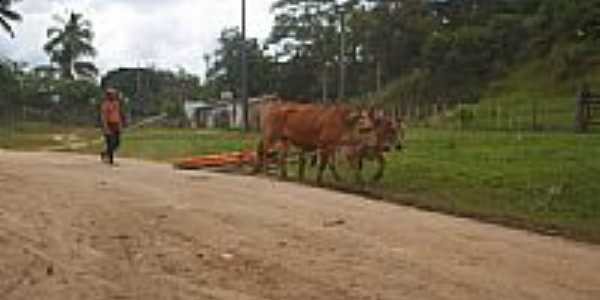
(71, 228)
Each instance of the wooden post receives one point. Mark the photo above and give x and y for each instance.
(534, 114)
(498, 116)
(580, 109)
(578, 113)
(417, 113)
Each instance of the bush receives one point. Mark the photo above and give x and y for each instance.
(466, 115)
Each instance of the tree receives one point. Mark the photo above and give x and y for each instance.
(6, 15)
(9, 85)
(152, 91)
(307, 34)
(70, 42)
(225, 72)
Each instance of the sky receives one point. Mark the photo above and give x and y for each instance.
(129, 33)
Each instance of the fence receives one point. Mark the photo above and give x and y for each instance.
(587, 103)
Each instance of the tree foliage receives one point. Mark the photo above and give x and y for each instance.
(151, 91)
(44, 96)
(69, 42)
(8, 15)
(435, 50)
(225, 72)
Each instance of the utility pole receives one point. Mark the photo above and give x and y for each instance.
(324, 86)
(342, 59)
(244, 92)
(378, 75)
(207, 63)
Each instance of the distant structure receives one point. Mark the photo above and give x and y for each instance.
(222, 114)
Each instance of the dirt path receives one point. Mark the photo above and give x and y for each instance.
(71, 228)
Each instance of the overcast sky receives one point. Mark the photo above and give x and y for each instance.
(167, 34)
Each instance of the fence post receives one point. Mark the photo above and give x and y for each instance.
(417, 113)
(534, 114)
(580, 109)
(498, 116)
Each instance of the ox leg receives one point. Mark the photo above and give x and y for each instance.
(359, 167)
(283, 159)
(301, 165)
(381, 167)
(323, 164)
(314, 159)
(260, 158)
(333, 169)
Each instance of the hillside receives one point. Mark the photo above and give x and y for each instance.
(530, 97)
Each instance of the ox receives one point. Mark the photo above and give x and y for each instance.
(310, 128)
(389, 135)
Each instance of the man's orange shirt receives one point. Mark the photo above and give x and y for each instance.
(111, 111)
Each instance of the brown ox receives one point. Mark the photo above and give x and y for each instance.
(310, 128)
(388, 136)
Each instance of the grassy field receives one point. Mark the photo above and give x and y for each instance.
(36, 136)
(540, 181)
(151, 144)
(168, 145)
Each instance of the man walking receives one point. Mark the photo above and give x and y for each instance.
(112, 124)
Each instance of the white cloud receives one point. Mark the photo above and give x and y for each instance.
(167, 34)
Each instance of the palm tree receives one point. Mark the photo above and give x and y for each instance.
(69, 42)
(6, 15)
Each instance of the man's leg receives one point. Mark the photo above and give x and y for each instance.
(104, 153)
(110, 148)
(116, 142)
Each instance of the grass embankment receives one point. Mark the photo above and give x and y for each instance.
(502, 170)
(546, 182)
(540, 181)
(530, 97)
(37, 136)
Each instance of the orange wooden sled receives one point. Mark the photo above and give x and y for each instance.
(231, 159)
(217, 160)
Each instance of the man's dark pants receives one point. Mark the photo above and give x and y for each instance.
(113, 140)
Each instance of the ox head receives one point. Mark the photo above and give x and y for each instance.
(358, 125)
(358, 119)
(389, 132)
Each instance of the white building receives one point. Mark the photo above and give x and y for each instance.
(202, 114)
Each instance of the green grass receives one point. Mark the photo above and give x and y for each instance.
(33, 136)
(535, 180)
(150, 144)
(172, 144)
(546, 182)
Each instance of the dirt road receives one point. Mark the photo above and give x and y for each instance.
(71, 228)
